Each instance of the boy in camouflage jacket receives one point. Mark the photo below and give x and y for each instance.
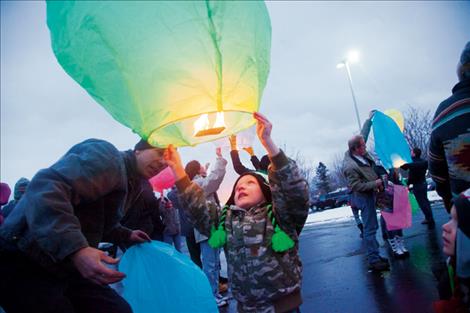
(265, 275)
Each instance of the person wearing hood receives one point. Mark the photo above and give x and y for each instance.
(49, 261)
(259, 228)
(19, 190)
(456, 245)
(449, 146)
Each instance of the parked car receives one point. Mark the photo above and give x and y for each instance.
(330, 200)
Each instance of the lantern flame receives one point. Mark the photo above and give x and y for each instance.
(219, 120)
(397, 161)
(201, 125)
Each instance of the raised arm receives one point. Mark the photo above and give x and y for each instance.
(211, 183)
(192, 197)
(253, 158)
(234, 155)
(289, 187)
(365, 131)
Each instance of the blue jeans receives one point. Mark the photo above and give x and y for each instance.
(366, 203)
(173, 240)
(355, 212)
(211, 265)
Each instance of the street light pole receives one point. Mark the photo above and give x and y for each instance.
(348, 71)
(353, 56)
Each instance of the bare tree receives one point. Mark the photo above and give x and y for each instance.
(337, 171)
(305, 167)
(417, 128)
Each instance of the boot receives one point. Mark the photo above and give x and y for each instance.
(401, 244)
(361, 228)
(394, 245)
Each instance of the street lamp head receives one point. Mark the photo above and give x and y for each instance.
(353, 56)
(340, 65)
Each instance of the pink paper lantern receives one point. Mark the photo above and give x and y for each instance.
(163, 180)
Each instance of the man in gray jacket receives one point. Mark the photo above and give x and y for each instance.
(49, 261)
(364, 182)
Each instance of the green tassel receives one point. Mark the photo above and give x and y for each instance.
(281, 241)
(218, 237)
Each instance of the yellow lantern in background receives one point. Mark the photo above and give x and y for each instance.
(397, 117)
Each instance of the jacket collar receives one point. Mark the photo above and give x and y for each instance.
(464, 84)
(359, 163)
(133, 176)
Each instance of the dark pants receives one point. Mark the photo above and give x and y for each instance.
(194, 249)
(421, 193)
(26, 287)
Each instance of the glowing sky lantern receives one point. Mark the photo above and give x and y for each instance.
(180, 72)
(397, 117)
(390, 144)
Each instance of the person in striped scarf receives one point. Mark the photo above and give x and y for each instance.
(449, 147)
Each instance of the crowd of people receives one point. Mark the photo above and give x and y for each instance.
(52, 232)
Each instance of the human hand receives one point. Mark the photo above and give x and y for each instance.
(233, 142)
(173, 159)
(263, 127)
(249, 150)
(218, 152)
(263, 130)
(89, 262)
(139, 236)
(379, 183)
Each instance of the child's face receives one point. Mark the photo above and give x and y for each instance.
(248, 192)
(449, 231)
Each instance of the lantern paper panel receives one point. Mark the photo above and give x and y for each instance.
(390, 143)
(160, 67)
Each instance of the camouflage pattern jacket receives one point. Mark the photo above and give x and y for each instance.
(259, 276)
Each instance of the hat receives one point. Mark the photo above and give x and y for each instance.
(20, 187)
(465, 56)
(265, 189)
(143, 145)
(462, 240)
(462, 206)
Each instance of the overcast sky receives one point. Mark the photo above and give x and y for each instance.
(408, 56)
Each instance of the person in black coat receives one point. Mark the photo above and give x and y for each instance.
(417, 178)
(238, 166)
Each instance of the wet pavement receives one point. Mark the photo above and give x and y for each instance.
(336, 278)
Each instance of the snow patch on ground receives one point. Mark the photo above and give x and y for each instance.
(340, 214)
(344, 213)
